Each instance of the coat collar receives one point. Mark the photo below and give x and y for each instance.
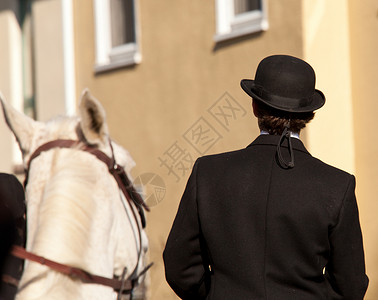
(274, 139)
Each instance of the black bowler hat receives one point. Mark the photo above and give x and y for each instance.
(285, 83)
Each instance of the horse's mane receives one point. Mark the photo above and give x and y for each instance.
(67, 205)
(66, 208)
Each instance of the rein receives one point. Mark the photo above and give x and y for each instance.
(123, 285)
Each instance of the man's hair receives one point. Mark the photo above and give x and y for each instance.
(274, 121)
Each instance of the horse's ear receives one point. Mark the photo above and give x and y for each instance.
(93, 119)
(22, 126)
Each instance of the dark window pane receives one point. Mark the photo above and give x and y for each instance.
(122, 22)
(242, 6)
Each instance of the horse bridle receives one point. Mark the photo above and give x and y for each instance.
(123, 285)
(116, 170)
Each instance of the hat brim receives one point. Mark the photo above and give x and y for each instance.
(310, 104)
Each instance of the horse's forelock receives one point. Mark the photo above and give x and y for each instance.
(62, 127)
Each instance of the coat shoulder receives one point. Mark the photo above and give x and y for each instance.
(330, 170)
(225, 157)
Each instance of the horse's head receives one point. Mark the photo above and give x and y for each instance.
(76, 213)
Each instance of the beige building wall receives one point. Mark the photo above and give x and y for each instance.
(53, 51)
(363, 29)
(326, 48)
(23, 62)
(340, 43)
(49, 64)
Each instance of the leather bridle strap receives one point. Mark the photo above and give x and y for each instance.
(119, 174)
(122, 179)
(118, 285)
(45, 147)
(117, 171)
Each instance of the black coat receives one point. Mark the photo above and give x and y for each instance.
(12, 231)
(248, 229)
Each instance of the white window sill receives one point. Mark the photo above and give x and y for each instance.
(122, 56)
(241, 26)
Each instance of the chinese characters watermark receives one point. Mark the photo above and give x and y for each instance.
(201, 136)
(177, 160)
(226, 110)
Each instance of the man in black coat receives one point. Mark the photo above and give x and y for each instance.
(12, 232)
(269, 221)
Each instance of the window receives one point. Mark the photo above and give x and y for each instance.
(239, 17)
(116, 34)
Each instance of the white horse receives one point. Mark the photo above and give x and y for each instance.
(76, 213)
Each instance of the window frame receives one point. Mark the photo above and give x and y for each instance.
(108, 57)
(229, 26)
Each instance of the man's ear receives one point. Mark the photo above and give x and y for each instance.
(255, 108)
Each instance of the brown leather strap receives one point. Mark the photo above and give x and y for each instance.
(84, 276)
(9, 280)
(117, 171)
(119, 174)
